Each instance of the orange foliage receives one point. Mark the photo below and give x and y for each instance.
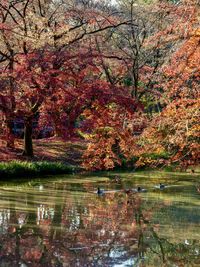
(113, 139)
(177, 132)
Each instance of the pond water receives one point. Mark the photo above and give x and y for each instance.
(61, 221)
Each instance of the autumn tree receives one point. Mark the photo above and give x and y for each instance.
(169, 74)
(127, 62)
(175, 131)
(44, 37)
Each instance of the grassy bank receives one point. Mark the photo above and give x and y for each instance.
(17, 169)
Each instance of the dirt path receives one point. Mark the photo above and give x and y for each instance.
(50, 149)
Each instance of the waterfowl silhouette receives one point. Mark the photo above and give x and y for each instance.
(140, 190)
(100, 192)
(162, 186)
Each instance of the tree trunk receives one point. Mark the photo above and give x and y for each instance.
(28, 144)
(9, 134)
(58, 131)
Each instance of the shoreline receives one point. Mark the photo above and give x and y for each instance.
(21, 169)
(30, 169)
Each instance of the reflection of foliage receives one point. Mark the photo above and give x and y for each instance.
(166, 253)
(94, 233)
(161, 250)
(82, 229)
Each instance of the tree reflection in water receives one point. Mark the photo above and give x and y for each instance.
(86, 230)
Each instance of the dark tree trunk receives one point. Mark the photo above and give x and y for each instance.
(58, 131)
(9, 134)
(28, 144)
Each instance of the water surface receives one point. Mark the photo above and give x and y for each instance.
(61, 221)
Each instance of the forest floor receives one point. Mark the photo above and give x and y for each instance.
(48, 149)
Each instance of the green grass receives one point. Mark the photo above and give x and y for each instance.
(155, 156)
(17, 169)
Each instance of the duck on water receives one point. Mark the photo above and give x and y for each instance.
(140, 190)
(160, 186)
(135, 190)
(100, 192)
